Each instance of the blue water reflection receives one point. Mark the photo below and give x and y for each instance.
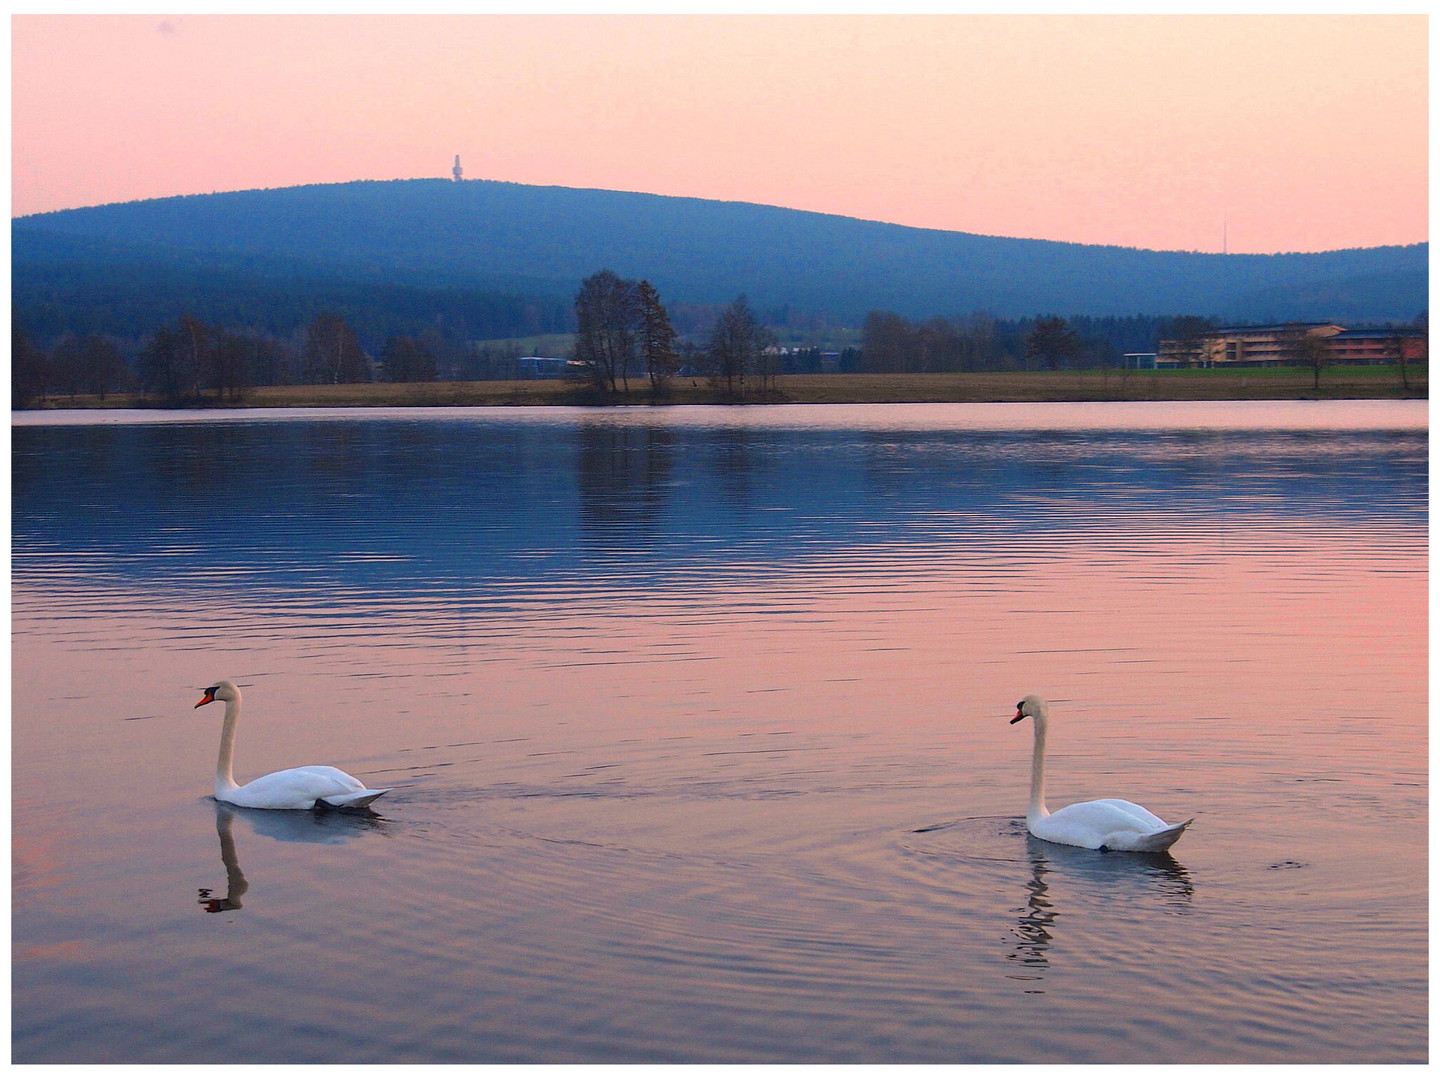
(400, 505)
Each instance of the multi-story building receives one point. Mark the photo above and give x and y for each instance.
(1266, 346)
(1378, 346)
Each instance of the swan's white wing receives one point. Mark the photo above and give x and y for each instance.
(1112, 823)
(1144, 819)
(300, 789)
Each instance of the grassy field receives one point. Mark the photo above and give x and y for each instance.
(1250, 384)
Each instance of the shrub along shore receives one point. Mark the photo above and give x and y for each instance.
(1210, 384)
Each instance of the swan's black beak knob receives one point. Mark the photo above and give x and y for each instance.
(209, 697)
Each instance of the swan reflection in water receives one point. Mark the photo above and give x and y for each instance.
(1112, 872)
(235, 883)
(305, 827)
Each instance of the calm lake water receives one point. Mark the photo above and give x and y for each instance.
(696, 721)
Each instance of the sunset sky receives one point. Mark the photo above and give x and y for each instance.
(1286, 133)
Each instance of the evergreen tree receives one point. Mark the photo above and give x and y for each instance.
(657, 338)
(1052, 340)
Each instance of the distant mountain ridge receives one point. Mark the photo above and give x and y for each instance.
(526, 248)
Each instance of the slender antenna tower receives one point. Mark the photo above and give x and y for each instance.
(457, 172)
(1224, 231)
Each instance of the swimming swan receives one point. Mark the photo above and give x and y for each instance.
(304, 788)
(1103, 825)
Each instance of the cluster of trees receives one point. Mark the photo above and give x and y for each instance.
(1048, 342)
(623, 328)
(190, 361)
(76, 365)
(623, 331)
(980, 342)
(740, 346)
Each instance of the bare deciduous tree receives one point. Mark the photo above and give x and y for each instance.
(333, 353)
(406, 360)
(1398, 342)
(29, 369)
(737, 345)
(1302, 347)
(606, 314)
(102, 368)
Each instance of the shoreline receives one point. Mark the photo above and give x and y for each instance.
(1210, 384)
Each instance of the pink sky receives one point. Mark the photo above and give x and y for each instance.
(1303, 133)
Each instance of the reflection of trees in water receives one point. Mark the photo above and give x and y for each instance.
(623, 473)
(397, 507)
(1153, 874)
(280, 465)
(736, 464)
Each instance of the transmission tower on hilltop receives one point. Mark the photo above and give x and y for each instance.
(457, 172)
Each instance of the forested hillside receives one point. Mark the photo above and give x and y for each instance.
(486, 259)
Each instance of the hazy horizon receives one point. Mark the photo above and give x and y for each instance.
(1155, 132)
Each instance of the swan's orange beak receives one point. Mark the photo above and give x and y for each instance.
(1017, 718)
(209, 697)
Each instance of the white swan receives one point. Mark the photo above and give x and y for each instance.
(290, 789)
(1103, 825)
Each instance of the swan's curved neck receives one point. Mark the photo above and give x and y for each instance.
(1037, 769)
(224, 767)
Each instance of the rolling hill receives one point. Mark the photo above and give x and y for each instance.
(486, 258)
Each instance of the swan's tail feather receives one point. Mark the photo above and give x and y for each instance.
(1161, 839)
(353, 800)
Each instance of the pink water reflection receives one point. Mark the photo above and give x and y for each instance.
(760, 800)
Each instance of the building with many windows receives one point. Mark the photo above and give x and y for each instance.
(1268, 346)
(1378, 346)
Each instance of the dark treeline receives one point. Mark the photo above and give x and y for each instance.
(980, 342)
(624, 332)
(190, 362)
